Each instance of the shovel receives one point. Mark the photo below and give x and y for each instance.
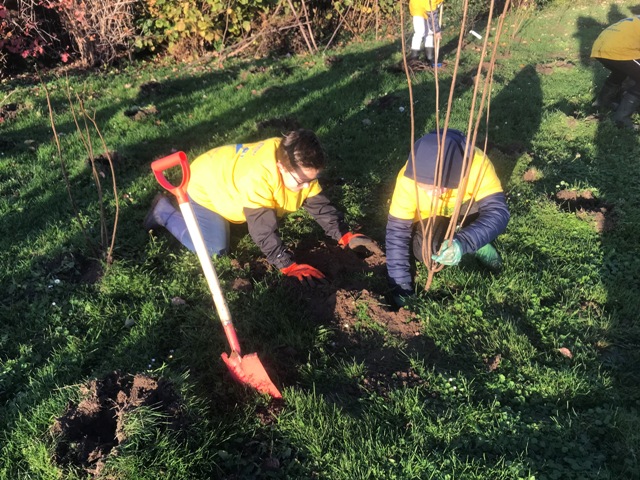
(245, 369)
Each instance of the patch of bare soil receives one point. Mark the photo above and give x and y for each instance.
(139, 113)
(587, 207)
(353, 304)
(87, 433)
(283, 124)
(103, 162)
(532, 175)
(384, 103)
(73, 267)
(150, 88)
(8, 112)
(413, 66)
(548, 68)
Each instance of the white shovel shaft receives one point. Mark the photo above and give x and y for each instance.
(205, 261)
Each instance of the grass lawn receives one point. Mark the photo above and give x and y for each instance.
(112, 370)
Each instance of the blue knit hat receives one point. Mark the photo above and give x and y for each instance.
(426, 152)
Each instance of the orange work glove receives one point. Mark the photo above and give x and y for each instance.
(305, 273)
(355, 240)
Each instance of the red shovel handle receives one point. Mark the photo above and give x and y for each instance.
(173, 160)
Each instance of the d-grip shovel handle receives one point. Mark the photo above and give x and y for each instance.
(173, 160)
(180, 192)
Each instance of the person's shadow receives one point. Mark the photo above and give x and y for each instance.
(512, 122)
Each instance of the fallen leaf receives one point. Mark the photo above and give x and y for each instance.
(565, 352)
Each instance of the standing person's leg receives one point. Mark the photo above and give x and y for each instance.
(631, 99)
(429, 44)
(419, 30)
(612, 84)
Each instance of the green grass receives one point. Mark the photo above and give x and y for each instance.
(537, 415)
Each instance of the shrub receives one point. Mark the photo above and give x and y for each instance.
(101, 30)
(18, 36)
(196, 25)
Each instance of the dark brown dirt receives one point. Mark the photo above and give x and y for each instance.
(384, 103)
(139, 113)
(353, 305)
(73, 267)
(284, 124)
(150, 88)
(103, 163)
(87, 433)
(8, 112)
(548, 68)
(587, 207)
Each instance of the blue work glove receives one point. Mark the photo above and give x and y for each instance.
(450, 253)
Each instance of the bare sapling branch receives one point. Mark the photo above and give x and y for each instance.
(63, 168)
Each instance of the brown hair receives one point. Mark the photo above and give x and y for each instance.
(301, 148)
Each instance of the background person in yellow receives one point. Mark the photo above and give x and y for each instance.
(618, 49)
(487, 218)
(257, 183)
(426, 24)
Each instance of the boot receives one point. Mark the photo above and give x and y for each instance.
(606, 96)
(628, 105)
(430, 56)
(489, 257)
(160, 211)
(413, 55)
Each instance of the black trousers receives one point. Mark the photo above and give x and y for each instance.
(620, 70)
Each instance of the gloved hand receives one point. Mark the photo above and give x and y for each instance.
(401, 293)
(305, 273)
(450, 253)
(355, 240)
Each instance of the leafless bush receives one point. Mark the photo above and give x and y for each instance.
(101, 30)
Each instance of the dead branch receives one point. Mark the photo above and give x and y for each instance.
(336, 30)
(114, 186)
(302, 30)
(63, 168)
(308, 22)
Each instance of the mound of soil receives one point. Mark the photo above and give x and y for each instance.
(72, 267)
(587, 207)
(8, 112)
(140, 113)
(90, 431)
(365, 326)
(548, 68)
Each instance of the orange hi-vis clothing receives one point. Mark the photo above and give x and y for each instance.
(620, 41)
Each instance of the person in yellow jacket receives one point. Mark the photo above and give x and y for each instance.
(487, 217)
(618, 49)
(257, 183)
(426, 24)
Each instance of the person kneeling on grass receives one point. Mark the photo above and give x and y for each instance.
(257, 183)
(487, 218)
